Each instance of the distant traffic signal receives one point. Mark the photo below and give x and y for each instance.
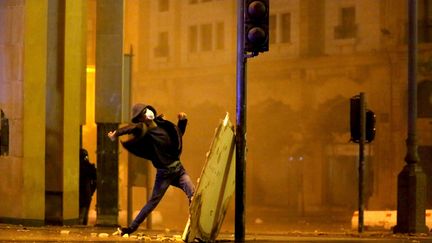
(355, 121)
(256, 16)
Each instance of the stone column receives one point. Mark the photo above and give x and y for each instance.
(66, 31)
(54, 113)
(33, 100)
(109, 69)
(73, 103)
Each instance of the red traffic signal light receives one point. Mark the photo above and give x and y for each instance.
(257, 9)
(256, 25)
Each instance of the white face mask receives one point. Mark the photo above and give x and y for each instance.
(149, 114)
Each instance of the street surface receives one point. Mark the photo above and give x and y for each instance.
(298, 231)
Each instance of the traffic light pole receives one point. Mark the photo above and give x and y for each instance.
(361, 164)
(252, 15)
(240, 177)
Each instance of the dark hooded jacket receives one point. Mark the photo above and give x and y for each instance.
(161, 145)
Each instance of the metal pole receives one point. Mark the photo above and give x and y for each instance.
(129, 167)
(240, 128)
(412, 155)
(411, 180)
(361, 165)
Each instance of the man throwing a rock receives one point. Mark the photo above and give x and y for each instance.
(160, 141)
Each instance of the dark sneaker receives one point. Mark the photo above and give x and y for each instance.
(126, 231)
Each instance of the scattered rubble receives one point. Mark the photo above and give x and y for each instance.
(103, 235)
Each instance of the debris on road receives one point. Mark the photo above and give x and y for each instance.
(103, 235)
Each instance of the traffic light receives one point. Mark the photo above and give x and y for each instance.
(355, 121)
(256, 16)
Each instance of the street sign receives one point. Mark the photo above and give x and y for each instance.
(215, 187)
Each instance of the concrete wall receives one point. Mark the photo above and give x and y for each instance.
(23, 101)
(11, 82)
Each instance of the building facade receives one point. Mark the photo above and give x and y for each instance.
(321, 54)
(299, 158)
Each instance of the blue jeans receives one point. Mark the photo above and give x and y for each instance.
(177, 177)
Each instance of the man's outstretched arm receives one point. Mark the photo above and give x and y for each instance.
(135, 129)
